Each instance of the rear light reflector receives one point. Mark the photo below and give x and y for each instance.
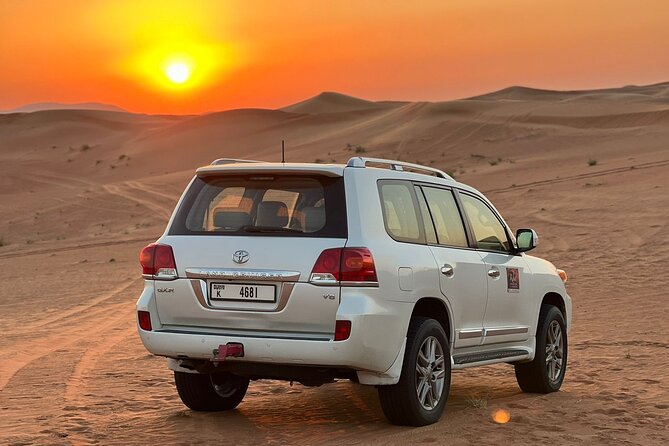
(346, 267)
(342, 330)
(144, 319)
(563, 275)
(158, 262)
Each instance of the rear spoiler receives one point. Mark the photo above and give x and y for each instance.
(328, 170)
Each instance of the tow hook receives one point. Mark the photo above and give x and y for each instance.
(234, 349)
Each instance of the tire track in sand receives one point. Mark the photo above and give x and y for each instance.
(125, 190)
(582, 176)
(19, 355)
(89, 360)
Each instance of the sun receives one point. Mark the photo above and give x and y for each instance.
(178, 72)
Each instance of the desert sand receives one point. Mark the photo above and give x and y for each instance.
(81, 192)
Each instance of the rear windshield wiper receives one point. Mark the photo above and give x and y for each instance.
(249, 228)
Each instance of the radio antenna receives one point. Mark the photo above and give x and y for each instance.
(283, 152)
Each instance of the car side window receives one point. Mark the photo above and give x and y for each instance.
(430, 234)
(446, 217)
(488, 231)
(399, 212)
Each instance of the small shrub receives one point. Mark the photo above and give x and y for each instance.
(360, 149)
(493, 162)
(592, 162)
(85, 147)
(30, 242)
(318, 161)
(2, 241)
(477, 402)
(628, 355)
(112, 260)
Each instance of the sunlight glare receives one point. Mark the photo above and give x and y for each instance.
(178, 72)
(501, 416)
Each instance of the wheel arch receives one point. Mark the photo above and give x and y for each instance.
(556, 300)
(437, 309)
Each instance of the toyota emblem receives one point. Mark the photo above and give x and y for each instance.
(240, 256)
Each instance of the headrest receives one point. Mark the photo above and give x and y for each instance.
(314, 218)
(231, 218)
(272, 213)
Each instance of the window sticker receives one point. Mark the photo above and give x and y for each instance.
(512, 280)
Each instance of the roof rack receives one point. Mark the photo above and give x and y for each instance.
(359, 161)
(220, 161)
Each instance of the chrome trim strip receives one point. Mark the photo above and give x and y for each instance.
(505, 331)
(469, 334)
(360, 284)
(200, 289)
(243, 274)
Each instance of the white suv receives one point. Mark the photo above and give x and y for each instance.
(382, 272)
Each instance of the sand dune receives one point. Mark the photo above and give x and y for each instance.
(40, 106)
(82, 191)
(329, 102)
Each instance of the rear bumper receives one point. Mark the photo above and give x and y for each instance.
(378, 330)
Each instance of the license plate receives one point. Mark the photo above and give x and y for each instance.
(243, 292)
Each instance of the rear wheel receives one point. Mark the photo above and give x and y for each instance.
(210, 392)
(546, 372)
(420, 395)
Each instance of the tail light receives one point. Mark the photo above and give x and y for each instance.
(342, 330)
(158, 262)
(346, 267)
(144, 319)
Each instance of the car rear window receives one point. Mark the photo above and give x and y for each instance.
(311, 206)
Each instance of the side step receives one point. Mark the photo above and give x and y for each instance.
(469, 358)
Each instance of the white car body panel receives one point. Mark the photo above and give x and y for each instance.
(299, 330)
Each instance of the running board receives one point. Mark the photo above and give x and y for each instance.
(469, 358)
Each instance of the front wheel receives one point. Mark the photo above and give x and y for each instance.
(546, 372)
(210, 392)
(420, 395)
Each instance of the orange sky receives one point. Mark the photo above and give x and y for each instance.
(268, 53)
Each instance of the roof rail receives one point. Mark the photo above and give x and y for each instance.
(359, 161)
(220, 161)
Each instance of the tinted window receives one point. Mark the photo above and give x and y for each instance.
(430, 235)
(488, 230)
(446, 217)
(263, 205)
(399, 212)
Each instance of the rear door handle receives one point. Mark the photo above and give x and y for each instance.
(447, 270)
(493, 272)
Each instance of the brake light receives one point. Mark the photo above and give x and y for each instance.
(158, 262)
(144, 319)
(342, 330)
(345, 266)
(326, 269)
(357, 265)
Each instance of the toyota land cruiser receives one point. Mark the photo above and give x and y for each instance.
(382, 272)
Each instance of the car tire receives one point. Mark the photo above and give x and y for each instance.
(420, 395)
(545, 373)
(210, 392)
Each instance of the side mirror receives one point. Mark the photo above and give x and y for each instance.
(526, 240)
